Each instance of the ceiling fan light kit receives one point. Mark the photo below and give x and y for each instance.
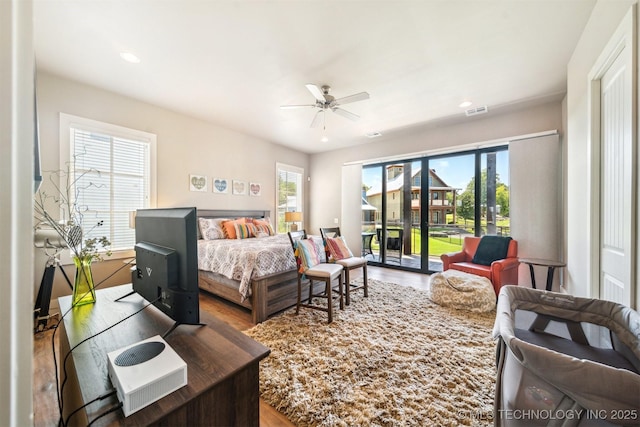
(325, 101)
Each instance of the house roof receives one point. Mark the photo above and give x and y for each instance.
(397, 183)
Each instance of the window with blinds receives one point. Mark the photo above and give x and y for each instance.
(112, 177)
(289, 193)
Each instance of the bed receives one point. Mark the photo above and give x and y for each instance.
(256, 273)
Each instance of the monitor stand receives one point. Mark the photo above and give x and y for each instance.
(172, 328)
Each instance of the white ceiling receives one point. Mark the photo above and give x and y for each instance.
(234, 63)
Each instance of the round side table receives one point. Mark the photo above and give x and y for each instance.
(551, 267)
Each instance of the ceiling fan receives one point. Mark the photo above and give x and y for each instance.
(325, 102)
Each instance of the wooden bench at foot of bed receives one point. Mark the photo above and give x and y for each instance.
(269, 294)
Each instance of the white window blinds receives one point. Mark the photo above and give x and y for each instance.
(112, 177)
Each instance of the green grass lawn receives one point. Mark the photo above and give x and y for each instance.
(443, 245)
(437, 245)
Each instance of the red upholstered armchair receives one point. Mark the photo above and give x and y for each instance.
(500, 272)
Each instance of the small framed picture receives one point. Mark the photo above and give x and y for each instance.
(198, 183)
(220, 185)
(239, 188)
(255, 189)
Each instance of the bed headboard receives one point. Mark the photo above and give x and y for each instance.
(221, 213)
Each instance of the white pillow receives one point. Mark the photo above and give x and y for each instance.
(211, 228)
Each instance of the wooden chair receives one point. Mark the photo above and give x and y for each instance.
(322, 272)
(347, 264)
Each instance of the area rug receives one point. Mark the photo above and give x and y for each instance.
(392, 359)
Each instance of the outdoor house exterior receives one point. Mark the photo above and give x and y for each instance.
(442, 199)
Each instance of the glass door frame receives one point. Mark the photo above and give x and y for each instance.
(424, 202)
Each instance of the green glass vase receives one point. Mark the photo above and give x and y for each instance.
(83, 290)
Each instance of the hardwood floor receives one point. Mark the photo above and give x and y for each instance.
(44, 388)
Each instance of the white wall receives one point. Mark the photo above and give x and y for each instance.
(16, 175)
(326, 168)
(535, 205)
(185, 145)
(604, 19)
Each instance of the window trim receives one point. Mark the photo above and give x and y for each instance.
(293, 169)
(67, 121)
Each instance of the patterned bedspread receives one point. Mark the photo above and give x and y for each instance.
(246, 259)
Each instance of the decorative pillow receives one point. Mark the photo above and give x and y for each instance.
(229, 227)
(245, 231)
(491, 248)
(337, 248)
(264, 225)
(210, 228)
(306, 255)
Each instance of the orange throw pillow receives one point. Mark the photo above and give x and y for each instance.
(229, 227)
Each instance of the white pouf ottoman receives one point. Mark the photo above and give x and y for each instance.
(463, 291)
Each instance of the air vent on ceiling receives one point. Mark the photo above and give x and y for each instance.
(478, 110)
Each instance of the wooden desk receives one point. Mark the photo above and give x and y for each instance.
(222, 365)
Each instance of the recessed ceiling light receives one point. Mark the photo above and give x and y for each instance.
(373, 134)
(129, 57)
(324, 139)
(465, 104)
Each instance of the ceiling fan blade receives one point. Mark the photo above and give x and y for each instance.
(290, 107)
(344, 113)
(317, 93)
(352, 98)
(317, 119)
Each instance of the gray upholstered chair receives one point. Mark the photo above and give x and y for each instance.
(348, 264)
(315, 270)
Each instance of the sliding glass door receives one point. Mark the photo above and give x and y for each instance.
(415, 210)
(391, 214)
(450, 202)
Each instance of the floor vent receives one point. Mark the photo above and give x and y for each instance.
(477, 110)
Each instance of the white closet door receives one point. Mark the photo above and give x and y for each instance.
(617, 188)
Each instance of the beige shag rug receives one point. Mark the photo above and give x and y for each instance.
(392, 359)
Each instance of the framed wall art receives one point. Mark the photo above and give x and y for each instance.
(239, 188)
(220, 185)
(255, 189)
(198, 183)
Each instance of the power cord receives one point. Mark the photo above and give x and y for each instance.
(75, 411)
(53, 338)
(64, 362)
(108, 411)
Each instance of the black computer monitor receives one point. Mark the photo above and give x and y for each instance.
(166, 271)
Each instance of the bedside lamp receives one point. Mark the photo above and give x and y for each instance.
(293, 218)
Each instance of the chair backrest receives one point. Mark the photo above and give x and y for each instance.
(470, 246)
(294, 236)
(394, 238)
(329, 232)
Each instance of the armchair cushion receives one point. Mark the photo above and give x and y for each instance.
(491, 248)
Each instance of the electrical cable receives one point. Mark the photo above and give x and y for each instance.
(108, 411)
(75, 411)
(53, 339)
(64, 362)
